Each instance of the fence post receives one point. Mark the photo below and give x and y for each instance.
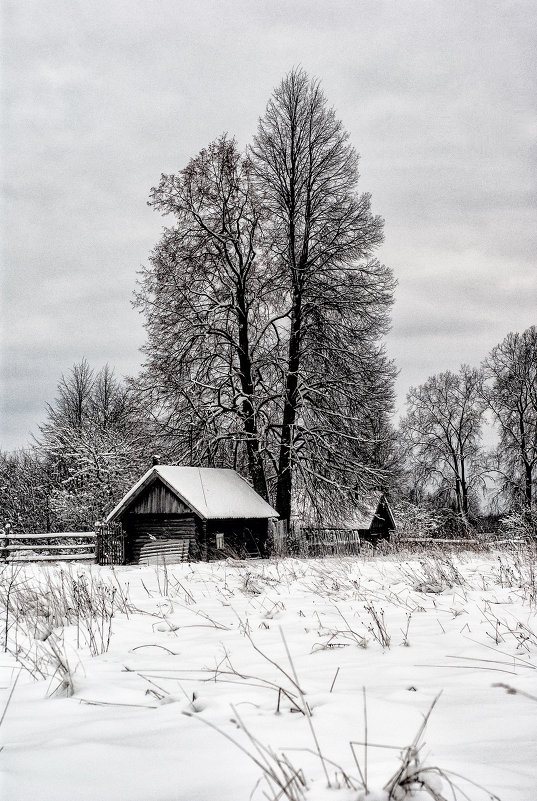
(122, 536)
(98, 541)
(204, 544)
(5, 537)
(279, 537)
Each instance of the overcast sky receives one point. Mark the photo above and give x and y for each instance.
(101, 97)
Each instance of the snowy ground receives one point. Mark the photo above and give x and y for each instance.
(211, 640)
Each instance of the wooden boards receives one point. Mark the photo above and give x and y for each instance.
(152, 538)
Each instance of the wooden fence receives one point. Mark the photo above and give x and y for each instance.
(105, 545)
(61, 546)
(328, 541)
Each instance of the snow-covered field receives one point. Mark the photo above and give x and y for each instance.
(300, 657)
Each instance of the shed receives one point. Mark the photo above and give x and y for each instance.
(372, 522)
(182, 513)
(375, 522)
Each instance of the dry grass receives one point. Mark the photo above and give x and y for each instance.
(38, 606)
(285, 780)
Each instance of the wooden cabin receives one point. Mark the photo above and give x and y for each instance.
(183, 513)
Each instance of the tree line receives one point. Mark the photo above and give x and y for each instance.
(88, 450)
(266, 309)
(441, 434)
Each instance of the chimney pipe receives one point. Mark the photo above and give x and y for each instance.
(156, 459)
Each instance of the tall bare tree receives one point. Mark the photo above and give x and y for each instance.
(511, 394)
(442, 431)
(322, 236)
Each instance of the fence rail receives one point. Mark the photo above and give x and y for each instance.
(438, 540)
(487, 540)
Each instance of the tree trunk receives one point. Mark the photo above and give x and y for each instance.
(528, 486)
(285, 483)
(464, 493)
(255, 461)
(458, 495)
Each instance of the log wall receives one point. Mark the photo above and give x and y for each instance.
(242, 537)
(152, 538)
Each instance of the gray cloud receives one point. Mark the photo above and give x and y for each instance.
(439, 98)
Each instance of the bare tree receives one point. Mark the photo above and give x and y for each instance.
(322, 236)
(208, 301)
(511, 394)
(74, 399)
(442, 432)
(91, 446)
(26, 485)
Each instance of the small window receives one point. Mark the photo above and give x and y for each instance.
(219, 540)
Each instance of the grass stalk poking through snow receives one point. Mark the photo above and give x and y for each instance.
(40, 603)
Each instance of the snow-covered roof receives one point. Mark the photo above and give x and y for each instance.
(211, 492)
(363, 518)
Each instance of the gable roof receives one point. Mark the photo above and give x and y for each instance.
(375, 507)
(388, 509)
(211, 492)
